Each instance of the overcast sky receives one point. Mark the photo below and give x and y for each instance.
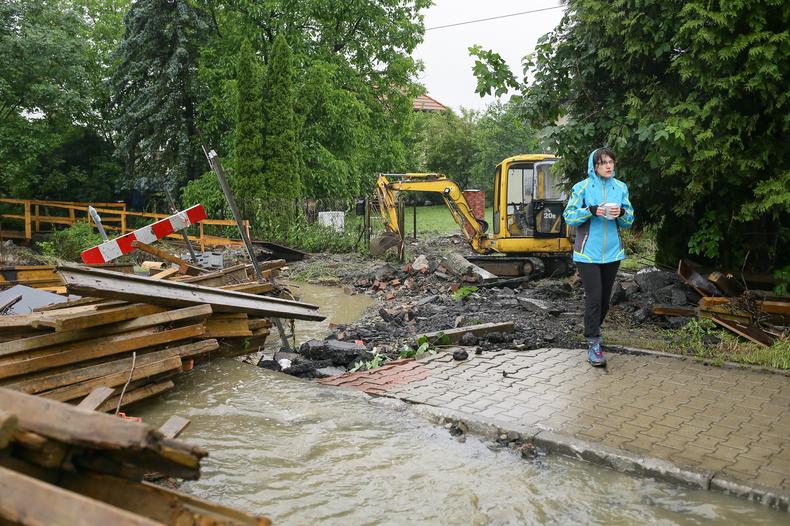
(448, 66)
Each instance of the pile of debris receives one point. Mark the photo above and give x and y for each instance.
(133, 334)
(71, 465)
(755, 315)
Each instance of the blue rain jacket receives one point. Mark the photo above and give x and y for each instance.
(598, 239)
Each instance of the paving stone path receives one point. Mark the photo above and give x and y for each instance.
(734, 422)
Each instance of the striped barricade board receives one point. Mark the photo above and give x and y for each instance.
(119, 246)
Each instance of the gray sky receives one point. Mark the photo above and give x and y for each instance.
(448, 66)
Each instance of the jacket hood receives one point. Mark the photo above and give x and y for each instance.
(591, 167)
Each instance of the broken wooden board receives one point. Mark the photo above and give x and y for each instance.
(696, 281)
(96, 398)
(673, 310)
(227, 326)
(478, 330)
(29, 501)
(8, 427)
(117, 379)
(157, 502)
(726, 283)
(174, 426)
(58, 338)
(66, 424)
(750, 332)
(132, 396)
(228, 276)
(90, 282)
(70, 375)
(34, 361)
(72, 322)
(183, 266)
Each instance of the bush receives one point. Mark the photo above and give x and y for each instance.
(67, 244)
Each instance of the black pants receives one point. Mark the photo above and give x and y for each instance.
(598, 280)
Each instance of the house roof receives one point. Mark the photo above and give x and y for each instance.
(427, 103)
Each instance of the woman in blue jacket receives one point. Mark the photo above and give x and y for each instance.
(599, 208)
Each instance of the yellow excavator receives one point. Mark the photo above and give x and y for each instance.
(529, 234)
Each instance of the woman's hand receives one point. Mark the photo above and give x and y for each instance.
(614, 211)
(600, 211)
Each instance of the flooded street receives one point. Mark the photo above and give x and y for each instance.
(303, 454)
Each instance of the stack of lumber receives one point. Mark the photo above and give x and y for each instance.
(134, 334)
(45, 277)
(61, 464)
(754, 315)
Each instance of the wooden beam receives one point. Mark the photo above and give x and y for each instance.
(696, 281)
(185, 267)
(157, 502)
(57, 338)
(31, 502)
(92, 282)
(8, 426)
(69, 375)
(74, 322)
(230, 275)
(750, 332)
(96, 398)
(66, 424)
(137, 394)
(92, 349)
(478, 330)
(74, 391)
(174, 426)
(726, 284)
(674, 310)
(250, 288)
(167, 273)
(227, 326)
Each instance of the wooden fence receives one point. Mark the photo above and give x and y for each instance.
(114, 217)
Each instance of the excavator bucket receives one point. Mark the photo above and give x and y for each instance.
(383, 243)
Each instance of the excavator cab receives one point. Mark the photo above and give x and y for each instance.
(534, 200)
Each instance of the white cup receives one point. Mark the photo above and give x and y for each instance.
(610, 207)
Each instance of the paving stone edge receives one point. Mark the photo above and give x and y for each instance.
(705, 361)
(617, 459)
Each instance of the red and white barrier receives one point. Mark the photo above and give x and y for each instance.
(119, 246)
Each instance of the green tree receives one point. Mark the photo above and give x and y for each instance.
(156, 92)
(247, 177)
(693, 95)
(43, 86)
(352, 77)
(282, 164)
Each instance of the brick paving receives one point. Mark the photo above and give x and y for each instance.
(732, 422)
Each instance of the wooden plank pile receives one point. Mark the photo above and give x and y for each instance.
(61, 464)
(134, 334)
(755, 315)
(45, 277)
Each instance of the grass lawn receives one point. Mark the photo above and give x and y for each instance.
(436, 218)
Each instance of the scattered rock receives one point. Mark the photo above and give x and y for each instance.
(460, 355)
(420, 263)
(468, 339)
(711, 340)
(338, 352)
(325, 372)
(385, 272)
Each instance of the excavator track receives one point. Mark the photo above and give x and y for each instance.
(533, 265)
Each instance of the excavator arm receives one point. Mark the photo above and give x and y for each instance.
(472, 227)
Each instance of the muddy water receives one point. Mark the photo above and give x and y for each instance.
(337, 306)
(305, 454)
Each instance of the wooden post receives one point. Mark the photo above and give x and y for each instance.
(123, 220)
(72, 219)
(28, 229)
(202, 239)
(367, 223)
(38, 221)
(414, 217)
(401, 228)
